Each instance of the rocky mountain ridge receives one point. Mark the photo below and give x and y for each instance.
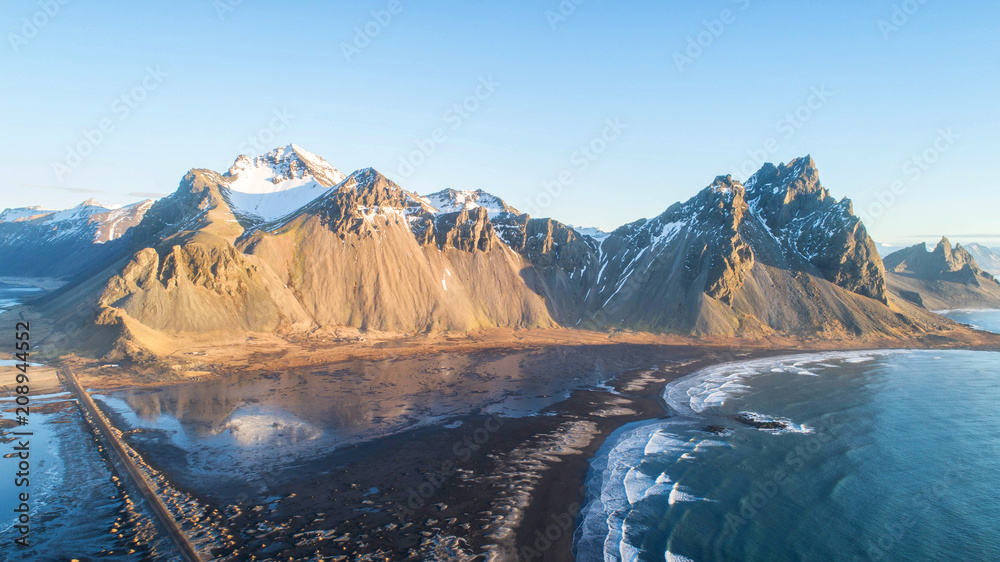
(945, 277)
(777, 255)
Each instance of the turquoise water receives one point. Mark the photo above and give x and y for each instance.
(879, 456)
(983, 318)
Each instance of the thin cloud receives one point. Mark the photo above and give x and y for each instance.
(69, 189)
(955, 236)
(90, 191)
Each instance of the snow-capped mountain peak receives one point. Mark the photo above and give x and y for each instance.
(453, 200)
(591, 231)
(278, 183)
(279, 166)
(18, 214)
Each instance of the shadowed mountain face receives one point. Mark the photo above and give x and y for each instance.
(37, 242)
(286, 243)
(947, 277)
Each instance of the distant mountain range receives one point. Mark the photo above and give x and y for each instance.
(286, 243)
(987, 258)
(947, 277)
(36, 242)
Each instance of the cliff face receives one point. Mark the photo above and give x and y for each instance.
(811, 224)
(375, 257)
(561, 265)
(946, 277)
(285, 243)
(779, 255)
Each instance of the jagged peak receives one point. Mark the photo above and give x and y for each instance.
(802, 163)
(93, 203)
(453, 200)
(368, 178)
(943, 258)
(280, 167)
(782, 177)
(726, 185)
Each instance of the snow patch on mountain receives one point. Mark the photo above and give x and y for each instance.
(593, 232)
(24, 213)
(453, 201)
(50, 216)
(275, 185)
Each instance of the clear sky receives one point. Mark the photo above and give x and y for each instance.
(692, 89)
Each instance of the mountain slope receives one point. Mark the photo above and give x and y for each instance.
(379, 259)
(943, 278)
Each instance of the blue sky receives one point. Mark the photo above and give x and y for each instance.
(694, 90)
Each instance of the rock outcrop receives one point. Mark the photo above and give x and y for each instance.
(811, 224)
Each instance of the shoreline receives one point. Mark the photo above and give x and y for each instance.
(563, 549)
(528, 476)
(559, 490)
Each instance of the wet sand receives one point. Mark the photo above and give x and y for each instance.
(480, 481)
(471, 486)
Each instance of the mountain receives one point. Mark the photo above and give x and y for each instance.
(988, 258)
(775, 255)
(943, 278)
(284, 243)
(267, 188)
(451, 201)
(36, 242)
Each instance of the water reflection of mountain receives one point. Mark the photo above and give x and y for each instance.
(357, 397)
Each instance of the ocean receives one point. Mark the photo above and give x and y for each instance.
(874, 455)
(982, 318)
